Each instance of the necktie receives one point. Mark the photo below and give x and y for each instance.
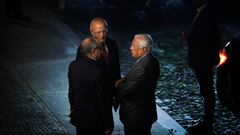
(105, 54)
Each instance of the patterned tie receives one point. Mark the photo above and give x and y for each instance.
(105, 54)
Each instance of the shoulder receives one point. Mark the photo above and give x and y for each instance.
(111, 42)
(92, 65)
(148, 62)
(72, 64)
(149, 58)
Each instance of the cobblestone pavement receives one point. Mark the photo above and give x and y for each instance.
(22, 111)
(177, 87)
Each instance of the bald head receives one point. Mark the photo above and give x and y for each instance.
(87, 45)
(96, 21)
(98, 29)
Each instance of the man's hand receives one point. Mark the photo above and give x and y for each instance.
(107, 132)
(119, 82)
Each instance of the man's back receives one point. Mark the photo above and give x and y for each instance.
(204, 40)
(85, 81)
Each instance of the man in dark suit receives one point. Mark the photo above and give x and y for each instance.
(110, 58)
(203, 54)
(88, 97)
(137, 90)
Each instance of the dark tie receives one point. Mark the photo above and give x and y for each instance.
(105, 54)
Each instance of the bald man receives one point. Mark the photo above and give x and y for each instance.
(99, 29)
(109, 57)
(90, 111)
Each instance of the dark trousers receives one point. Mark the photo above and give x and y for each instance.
(81, 131)
(132, 130)
(205, 81)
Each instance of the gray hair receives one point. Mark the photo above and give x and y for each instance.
(87, 45)
(146, 41)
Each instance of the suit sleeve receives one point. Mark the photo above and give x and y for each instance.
(104, 98)
(133, 82)
(70, 91)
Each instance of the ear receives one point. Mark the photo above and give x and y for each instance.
(144, 49)
(92, 51)
(92, 33)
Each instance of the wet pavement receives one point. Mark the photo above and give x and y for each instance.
(177, 87)
(39, 51)
(23, 112)
(35, 56)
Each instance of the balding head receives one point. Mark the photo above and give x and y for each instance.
(97, 20)
(98, 29)
(88, 44)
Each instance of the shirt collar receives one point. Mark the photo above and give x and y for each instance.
(105, 46)
(142, 57)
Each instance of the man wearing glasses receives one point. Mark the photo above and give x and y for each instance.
(109, 58)
(109, 61)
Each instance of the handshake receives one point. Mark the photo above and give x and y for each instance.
(119, 83)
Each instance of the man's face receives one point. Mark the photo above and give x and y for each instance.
(135, 49)
(99, 31)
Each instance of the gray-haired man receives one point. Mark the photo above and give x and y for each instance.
(137, 89)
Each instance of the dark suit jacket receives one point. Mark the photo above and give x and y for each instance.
(137, 102)
(112, 69)
(204, 40)
(114, 66)
(88, 96)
